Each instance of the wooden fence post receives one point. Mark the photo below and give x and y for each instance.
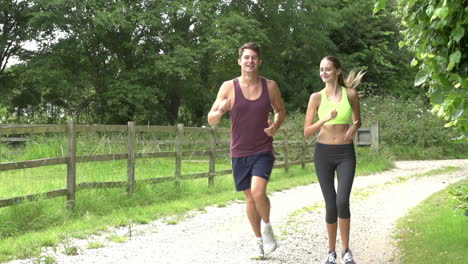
(131, 158)
(285, 143)
(71, 164)
(178, 145)
(375, 135)
(213, 144)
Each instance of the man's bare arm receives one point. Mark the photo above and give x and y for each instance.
(221, 105)
(278, 106)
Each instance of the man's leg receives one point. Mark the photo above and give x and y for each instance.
(262, 203)
(242, 171)
(257, 204)
(254, 219)
(252, 214)
(261, 171)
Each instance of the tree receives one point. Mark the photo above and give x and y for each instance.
(297, 37)
(163, 61)
(14, 29)
(435, 31)
(130, 60)
(370, 42)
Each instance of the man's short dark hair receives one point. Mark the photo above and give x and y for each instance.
(251, 45)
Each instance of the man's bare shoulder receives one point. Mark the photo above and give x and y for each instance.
(273, 88)
(228, 84)
(226, 88)
(271, 83)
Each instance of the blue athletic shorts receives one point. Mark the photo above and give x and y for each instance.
(244, 168)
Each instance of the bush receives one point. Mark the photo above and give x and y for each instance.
(409, 123)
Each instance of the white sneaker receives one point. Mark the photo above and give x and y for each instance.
(258, 252)
(348, 257)
(331, 258)
(269, 240)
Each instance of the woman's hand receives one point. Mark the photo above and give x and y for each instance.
(332, 115)
(350, 133)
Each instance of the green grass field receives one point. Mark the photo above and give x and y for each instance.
(433, 232)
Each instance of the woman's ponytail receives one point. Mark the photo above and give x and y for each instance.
(353, 79)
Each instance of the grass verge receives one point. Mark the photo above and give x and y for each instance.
(433, 232)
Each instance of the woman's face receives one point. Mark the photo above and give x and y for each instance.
(328, 72)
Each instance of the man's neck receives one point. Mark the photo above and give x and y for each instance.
(249, 79)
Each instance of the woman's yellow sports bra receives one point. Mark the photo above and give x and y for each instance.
(343, 108)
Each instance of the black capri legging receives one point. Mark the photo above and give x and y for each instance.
(342, 159)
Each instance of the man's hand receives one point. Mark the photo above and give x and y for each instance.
(224, 105)
(271, 129)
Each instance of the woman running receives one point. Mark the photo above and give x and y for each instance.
(339, 117)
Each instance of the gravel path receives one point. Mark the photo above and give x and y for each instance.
(223, 235)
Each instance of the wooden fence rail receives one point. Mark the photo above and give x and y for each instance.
(364, 137)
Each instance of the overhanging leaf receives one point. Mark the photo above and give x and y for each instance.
(379, 5)
(450, 124)
(464, 82)
(450, 66)
(421, 76)
(455, 57)
(457, 114)
(441, 12)
(437, 98)
(458, 33)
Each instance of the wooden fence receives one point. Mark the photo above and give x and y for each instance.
(364, 137)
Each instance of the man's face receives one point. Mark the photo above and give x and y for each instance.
(249, 61)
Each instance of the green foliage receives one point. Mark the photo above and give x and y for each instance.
(407, 125)
(435, 31)
(95, 245)
(459, 194)
(162, 62)
(118, 239)
(44, 259)
(28, 217)
(298, 38)
(15, 30)
(405, 122)
(69, 248)
(370, 43)
(295, 120)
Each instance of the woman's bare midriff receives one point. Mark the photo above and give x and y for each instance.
(333, 134)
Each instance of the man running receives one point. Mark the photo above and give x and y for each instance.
(249, 99)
